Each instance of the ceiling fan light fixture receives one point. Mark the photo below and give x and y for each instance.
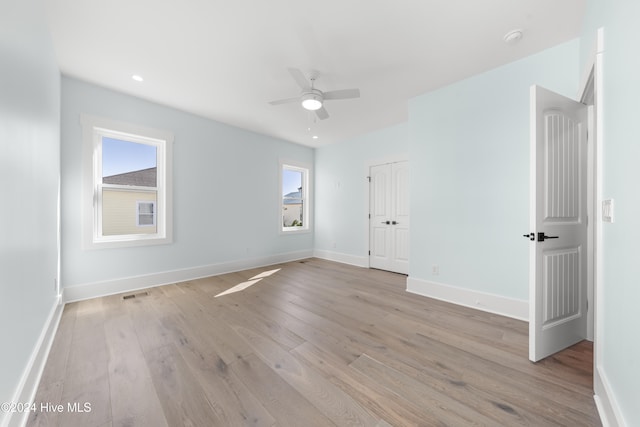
(311, 101)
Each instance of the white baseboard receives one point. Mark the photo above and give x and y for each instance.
(510, 307)
(358, 261)
(128, 284)
(608, 409)
(26, 390)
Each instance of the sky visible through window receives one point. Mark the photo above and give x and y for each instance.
(123, 156)
(291, 181)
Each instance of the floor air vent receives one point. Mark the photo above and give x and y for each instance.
(132, 296)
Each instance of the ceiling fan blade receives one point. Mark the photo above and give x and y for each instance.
(299, 77)
(341, 94)
(322, 113)
(285, 101)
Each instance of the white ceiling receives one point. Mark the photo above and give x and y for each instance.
(226, 60)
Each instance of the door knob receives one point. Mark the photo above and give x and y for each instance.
(386, 222)
(394, 223)
(542, 237)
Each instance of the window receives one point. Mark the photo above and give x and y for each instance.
(295, 197)
(127, 184)
(146, 214)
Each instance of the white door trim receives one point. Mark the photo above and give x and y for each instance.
(402, 157)
(597, 63)
(590, 89)
(608, 408)
(587, 95)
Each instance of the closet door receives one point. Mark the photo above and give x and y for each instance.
(389, 217)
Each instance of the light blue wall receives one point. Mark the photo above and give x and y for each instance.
(593, 19)
(469, 150)
(29, 170)
(621, 176)
(225, 189)
(341, 188)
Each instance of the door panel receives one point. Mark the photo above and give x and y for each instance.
(561, 286)
(380, 251)
(558, 265)
(381, 184)
(401, 247)
(400, 218)
(563, 155)
(380, 212)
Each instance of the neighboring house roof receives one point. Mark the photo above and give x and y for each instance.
(141, 178)
(293, 198)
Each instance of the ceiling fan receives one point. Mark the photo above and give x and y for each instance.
(313, 99)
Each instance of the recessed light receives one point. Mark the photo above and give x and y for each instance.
(315, 137)
(137, 78)
(513, 36)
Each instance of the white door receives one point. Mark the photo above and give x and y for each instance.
(389, 217)
(558, 246)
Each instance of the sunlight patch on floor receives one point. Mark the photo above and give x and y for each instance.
(244, 285)
(265, 274)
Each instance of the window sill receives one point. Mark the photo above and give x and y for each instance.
(292, 231)
(127, 242)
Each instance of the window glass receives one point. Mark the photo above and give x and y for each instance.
(146, 214)
(295, 198)
(129, 173)
(292, 200)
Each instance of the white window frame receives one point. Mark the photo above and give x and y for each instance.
(93, 130)
(307, 198)
(153, 213)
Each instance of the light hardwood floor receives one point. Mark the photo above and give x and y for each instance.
(315, 343)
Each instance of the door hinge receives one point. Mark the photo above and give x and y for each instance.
(369, 252)
(369, 178)
(369, 216)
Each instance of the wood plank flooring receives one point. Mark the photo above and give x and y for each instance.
(308, 343)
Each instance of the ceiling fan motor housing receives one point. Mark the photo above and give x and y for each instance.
(312, 99)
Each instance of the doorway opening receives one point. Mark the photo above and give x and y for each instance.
(591, 98)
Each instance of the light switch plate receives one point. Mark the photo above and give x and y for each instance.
(607, 210)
